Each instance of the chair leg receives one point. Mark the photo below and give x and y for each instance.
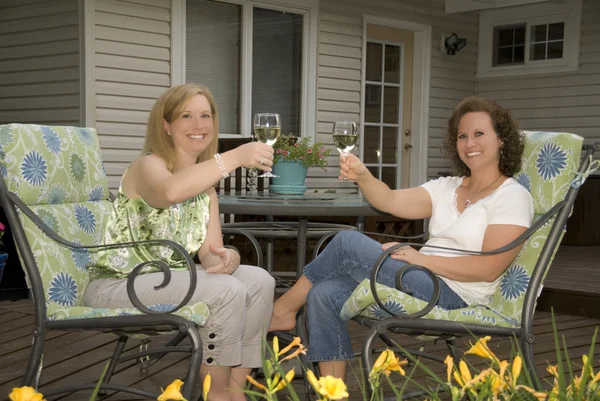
(527, 349)
(32, 373)
(195, 361)
(367, 362)
(115, 358)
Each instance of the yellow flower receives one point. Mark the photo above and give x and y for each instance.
(275, 345)
(312, 379)
(206, 387)
(516, 369)
(295, 343)
(395, 366)
(481, 348)
(464, 371)
(299, 350)
(25, 393)
(459, 379)
(553, 370)
(540, 395)
(387, 363)
(449, 361)
(172, 392)
(332, 388)
(288, 379)
(255, 383)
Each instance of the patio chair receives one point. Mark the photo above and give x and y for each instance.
(550, 173)
(55, 195)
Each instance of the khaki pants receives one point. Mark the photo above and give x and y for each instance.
(240, 306)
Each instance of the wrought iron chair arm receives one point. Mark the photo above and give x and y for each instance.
(164, 267)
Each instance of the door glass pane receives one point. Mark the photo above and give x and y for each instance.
(392, 64)
(388, 175)
(391, 101)
(371, 145)
(372, 103)
(277, 66)
(374, 171)
(390, 145)
(374, 51)
(213, 34)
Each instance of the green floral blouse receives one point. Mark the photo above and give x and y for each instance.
(134, 220)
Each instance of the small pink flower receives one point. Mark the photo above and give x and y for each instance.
(279, 151)
(296, 144)
(309, 151)
(2, 227)
(285, 153)
(302, 157)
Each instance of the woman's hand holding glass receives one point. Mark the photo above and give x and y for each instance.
(267, 127)
(255, 155)
(351, 168)
(345, 138)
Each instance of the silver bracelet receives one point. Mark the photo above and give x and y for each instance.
(221, 166)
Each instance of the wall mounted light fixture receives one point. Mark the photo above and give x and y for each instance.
(452, 44)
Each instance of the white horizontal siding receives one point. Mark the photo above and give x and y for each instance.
(566, 102)
(40, 62)
(340, 61)
(132, 69)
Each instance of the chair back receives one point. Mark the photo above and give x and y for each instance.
(550, 161)
(58, 172)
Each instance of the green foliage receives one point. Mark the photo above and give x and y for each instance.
(290, 148)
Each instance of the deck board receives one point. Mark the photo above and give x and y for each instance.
(79, 357)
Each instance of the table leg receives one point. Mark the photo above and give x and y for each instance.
(269, 256)
(301, 257)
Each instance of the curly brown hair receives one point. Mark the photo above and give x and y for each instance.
(505, 127)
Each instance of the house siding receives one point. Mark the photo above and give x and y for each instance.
(40, 62)
(132, 68)
(566, 102)
(340, 63)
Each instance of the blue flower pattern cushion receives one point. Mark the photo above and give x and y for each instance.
(58, 172)
(550, 161)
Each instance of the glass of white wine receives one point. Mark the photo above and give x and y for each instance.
(267, 127)
(345, 138)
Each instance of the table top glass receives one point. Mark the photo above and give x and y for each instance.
(310, 204)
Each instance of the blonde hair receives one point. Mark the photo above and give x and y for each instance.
(169, 107)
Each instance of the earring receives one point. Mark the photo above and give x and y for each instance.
(168, 133)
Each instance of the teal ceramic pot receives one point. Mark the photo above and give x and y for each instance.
(3, 257)
(291, 178)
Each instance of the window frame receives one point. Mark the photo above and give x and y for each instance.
(530, 15)
(309, 9)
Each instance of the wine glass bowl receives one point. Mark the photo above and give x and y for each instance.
(267, 127)
(345, 138)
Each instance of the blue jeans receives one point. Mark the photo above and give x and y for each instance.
(336, 273)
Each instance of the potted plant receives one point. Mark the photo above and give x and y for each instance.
(293, 157)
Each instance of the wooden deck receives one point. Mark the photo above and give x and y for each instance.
(73, 357)
(573, 282)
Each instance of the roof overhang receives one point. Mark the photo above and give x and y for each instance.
(457, 6)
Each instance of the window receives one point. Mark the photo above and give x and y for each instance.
(382, 111)
(255, 57)
(531, 39)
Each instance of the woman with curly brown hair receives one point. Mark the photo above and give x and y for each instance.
(481, 209)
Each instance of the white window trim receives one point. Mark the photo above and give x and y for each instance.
(308, 8)
(420, 92)
(534, 14)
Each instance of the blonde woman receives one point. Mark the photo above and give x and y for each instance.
(168, 193)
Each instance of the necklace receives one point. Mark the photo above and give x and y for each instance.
(468, 201)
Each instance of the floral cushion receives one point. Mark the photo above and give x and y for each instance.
(550, 161)
(58, 172)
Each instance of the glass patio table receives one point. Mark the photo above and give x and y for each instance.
(301, 207)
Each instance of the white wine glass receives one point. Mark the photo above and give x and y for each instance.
(267, 127)
(345, 138)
